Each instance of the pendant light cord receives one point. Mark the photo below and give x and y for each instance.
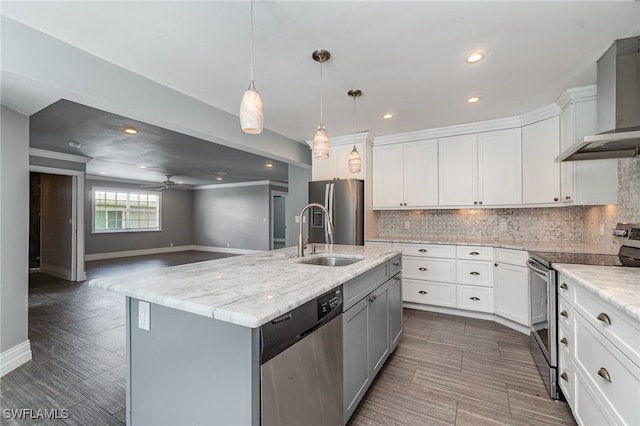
(354, 122)
(321, 120)
(251, 41)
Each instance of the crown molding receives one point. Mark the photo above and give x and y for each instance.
(366, 137)
(540, 114)
(104, 178)
(238, 184)
(456, 130)
(577, 94)
(43, 153)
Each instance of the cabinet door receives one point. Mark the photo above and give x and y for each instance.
(379, 336)
(567, 138)
(500, 167)
(356, 363)
(540, 172)
(341, 154)
(512, 293)
(457, 170)
(421, 173)
(396, 319)
(388, 179)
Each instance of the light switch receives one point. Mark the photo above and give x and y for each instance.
(144, 315)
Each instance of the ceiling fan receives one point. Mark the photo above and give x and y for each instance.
(168, 184)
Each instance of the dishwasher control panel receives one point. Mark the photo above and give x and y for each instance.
(328, 302)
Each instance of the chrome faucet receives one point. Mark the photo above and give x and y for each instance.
(301, 244)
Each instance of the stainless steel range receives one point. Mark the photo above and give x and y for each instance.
(543, 295)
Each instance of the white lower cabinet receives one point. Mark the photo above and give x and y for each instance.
(429, 293)
(511, 292)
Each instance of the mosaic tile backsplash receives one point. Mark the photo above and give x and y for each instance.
(567, 224)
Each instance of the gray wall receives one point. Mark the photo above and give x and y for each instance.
(235, 217)
(56, 211)
(14, 228)
(177, 225)
(299, 178)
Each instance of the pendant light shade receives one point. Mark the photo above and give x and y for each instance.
(355, 161)
(251, 109)
(321, 143)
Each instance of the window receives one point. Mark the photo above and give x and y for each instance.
(119, 210)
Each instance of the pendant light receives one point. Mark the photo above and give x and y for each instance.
(251, 109)
(355, 161)
(321, 143)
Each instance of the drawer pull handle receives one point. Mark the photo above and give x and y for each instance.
(422, 292)
(565, 377)
(397, 278)
(604, 374)
(474, 273)
(422, 250)
(604, 318)
(564, 341)
(564, 286)
(475, 299)
(474, 253)
(564, 314)
(422, 269)
(396, 263)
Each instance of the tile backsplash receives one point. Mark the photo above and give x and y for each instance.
(562, 224)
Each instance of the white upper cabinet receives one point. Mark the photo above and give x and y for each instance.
(483, 169)
(540, 172)
(337, 165)
(405, 175)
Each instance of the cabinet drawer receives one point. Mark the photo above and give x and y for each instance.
(359, 287)
(475, 253)
(513, 257)
(566, 288)
(430, 293)
(611, 373)
(428, 250)
(395, 265)
(567, 377)
(475, 273)
(429, 269)
(566, 315)
(588, 410)
(620, 331)
(474, 298)
(566, 340)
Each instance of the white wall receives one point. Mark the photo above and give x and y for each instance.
(14, 228)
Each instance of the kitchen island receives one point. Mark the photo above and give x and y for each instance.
(193, 331)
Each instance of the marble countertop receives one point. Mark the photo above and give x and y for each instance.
(616, 285)
(247, 290)
(548, 246)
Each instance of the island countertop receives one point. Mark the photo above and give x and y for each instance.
(247, 290)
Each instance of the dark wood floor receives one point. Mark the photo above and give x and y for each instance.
(446, 369)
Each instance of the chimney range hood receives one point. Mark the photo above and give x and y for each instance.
(618, 106)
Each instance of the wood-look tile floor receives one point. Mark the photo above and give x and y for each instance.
(446, 369)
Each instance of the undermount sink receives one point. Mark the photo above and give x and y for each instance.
(331, 260)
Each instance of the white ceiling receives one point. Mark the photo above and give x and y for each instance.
(407, 57)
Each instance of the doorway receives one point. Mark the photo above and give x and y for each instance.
(278, 220)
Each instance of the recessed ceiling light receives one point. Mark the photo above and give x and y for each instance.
(473, 99)
(475, 57)
(388, 115)
(131, 130)
(180, 181)
(219, 178)
(75, 144)
(269, 165)
(103, 173)
(142, 166)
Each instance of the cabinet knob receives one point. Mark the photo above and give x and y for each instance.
(604, 374)
(400, 203)
(475, 299)
(604, 318)
(556, 199)
(423, 250)
(396, 263)
(495, 264)
(564, 341)
(564, 377)
(474, 273)
(474, 253)
(422, 292)
(479, 202)
(567, 197)
(475, 202)
(405, 204)
(422, 269)
(564, 286)
(564, 314)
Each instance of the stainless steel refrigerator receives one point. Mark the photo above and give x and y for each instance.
(344, 199)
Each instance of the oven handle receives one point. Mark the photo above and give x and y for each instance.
(536, 267)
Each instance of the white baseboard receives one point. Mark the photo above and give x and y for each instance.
(131, 253)
(225, 250)
(15, 357)
(56, 271)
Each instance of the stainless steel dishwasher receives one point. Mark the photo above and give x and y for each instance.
(301, 364)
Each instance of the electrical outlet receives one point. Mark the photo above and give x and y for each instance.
(170, 244)
(296, 219)
(144, 315)
(407, 224)
(503, 226)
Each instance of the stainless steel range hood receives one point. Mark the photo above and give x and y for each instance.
(618, 106)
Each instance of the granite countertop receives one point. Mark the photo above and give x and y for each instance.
(548, 246)
(247, 290)
(616, 285)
